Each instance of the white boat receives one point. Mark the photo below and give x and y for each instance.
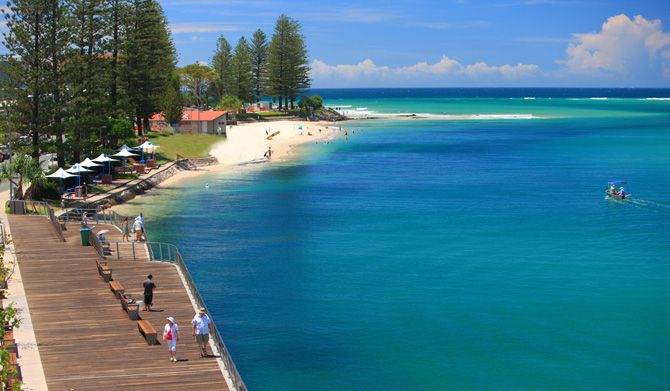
(617, 190)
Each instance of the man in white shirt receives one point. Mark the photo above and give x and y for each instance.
(202, 326)
(138, 228)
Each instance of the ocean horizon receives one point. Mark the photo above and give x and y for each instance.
(468, 247)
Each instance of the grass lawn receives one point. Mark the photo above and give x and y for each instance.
(186, 145)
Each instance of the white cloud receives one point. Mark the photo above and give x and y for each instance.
(368, 73)
(203, 27)
(624, 46)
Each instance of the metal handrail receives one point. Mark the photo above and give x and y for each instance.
(41, 208)
(55, 224)
(95, 242)
(169, 253)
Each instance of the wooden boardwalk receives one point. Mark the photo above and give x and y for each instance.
(86, 340)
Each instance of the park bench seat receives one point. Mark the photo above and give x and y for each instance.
(130, 306)
(104, 271)
(147, 331)
(117, 288)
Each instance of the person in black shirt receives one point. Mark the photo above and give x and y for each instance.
(149, 287)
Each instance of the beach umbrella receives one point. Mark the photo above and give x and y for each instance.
(105, 159)
(148, 146)
(124, 154)
(60, 173)
(78, 169)
(103, 231)
(124, 146)
(88, 163)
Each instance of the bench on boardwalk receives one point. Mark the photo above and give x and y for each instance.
(106, 247)
(130, 306)
(104, 271)
(117, 288)
(147, 331)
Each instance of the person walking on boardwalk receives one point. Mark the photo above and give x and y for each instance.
(138, 227)
(125, 230)
(149, 287)
(171, 336)
(202, 326)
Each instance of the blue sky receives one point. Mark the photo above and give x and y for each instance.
(449, 43)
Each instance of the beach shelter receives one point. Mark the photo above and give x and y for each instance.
(124, 146)
(105, 159)
(60, 173)
(148, 146)
(124, 154)
(77, 169)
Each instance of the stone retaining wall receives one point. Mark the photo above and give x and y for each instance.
(173, 169)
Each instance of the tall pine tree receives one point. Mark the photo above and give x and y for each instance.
(242, 71)
(288, 69)
(149, 60)
(29, 74)
(222, 63)
(258, 52)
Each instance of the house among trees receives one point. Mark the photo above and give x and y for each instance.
(194, 121)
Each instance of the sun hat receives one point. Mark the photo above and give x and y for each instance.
(171, 319)
(201, 309)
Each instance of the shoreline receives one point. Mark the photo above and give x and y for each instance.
(247, 143)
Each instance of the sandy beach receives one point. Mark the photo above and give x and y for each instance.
(249, 143)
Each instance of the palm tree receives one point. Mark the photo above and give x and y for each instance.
(27, 169)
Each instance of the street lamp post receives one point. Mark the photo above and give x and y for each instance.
(9, 107)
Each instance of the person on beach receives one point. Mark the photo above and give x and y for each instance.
(84, 220)
(149, 287)
(84, 191)
(138, 227)
(171, 336)
(125, 230)
(202, 326)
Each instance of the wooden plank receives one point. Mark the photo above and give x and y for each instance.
(86, 340)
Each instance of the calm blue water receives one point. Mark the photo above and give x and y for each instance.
(443, 254)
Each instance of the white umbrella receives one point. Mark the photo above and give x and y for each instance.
(124, 147)
(89, 163)
(148, 146)
(124, 154)
(105, 159)
(78, 169)
(103, 231)
(60, 173)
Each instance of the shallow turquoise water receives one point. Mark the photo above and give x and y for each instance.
(442, 255)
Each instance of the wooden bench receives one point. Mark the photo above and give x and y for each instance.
(106, 248)
(128, 305)
(117, 288)
(104, 271)
(147, 331)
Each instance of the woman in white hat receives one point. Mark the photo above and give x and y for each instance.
(171, 336)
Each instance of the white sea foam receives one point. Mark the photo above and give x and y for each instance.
(503, 116)
(529, 98)
(361, 108)
(657, 99)
(598, 98)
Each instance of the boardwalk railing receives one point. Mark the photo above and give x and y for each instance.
(145, 251)
(163, 252)
(37, 208)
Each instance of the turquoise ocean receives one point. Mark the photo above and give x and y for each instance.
(469, 247)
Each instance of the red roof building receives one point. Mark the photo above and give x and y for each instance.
(194, 121)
